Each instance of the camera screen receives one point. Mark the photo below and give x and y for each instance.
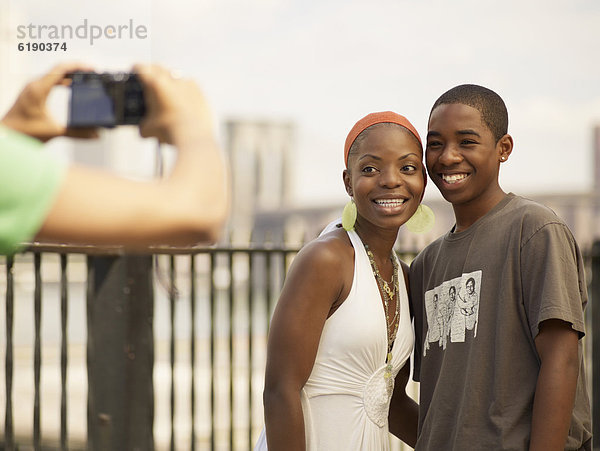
(105, 100)
(91, 104)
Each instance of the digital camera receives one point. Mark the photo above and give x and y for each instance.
(105, 99)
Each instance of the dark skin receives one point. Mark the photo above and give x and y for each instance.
(404, 411)
(463, 160)
(387, 165)
(459, 144)
(557, 346)
(295, 333)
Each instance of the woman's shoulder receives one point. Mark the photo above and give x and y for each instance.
(333, 248)
(325, 264)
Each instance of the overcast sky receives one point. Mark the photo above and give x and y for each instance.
(324, 64)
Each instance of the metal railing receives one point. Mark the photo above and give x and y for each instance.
(218, 304)
(169, 350)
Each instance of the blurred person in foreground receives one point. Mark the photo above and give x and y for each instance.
(44, 200)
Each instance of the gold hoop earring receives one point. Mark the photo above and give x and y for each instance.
(349, 216)
(422, 221)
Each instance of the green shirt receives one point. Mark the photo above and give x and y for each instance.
(29, 182)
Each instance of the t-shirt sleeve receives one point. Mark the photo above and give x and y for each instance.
(29, 182)
(553, 278)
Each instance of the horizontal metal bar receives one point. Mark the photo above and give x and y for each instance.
(161, 250)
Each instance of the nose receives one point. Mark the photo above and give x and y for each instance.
(391, 178)
(449, 155)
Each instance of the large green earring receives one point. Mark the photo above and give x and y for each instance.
(349, 216)
(422, 221)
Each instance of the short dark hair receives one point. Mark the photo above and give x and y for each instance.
(489, 104)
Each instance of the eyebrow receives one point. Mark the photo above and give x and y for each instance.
(458, 132)
(468, 132)
(375, 157)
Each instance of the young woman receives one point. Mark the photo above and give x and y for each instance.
(341, 333)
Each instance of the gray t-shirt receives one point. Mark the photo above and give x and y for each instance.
(478, 297)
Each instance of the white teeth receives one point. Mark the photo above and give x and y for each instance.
(389, 202)
(453, 178)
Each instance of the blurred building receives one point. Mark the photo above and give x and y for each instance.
(259, 156)
(581, 211)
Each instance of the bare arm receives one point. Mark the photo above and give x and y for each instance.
(557, 346)
(94, 207)
(310, 289)
(404, 411)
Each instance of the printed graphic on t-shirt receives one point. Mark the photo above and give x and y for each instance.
(452, 310)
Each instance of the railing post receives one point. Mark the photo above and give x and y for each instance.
(596, 344)
(9, 438)
(120, 353)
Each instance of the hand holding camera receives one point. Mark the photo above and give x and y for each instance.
(164, 107)
(29, 114)
(176, 109)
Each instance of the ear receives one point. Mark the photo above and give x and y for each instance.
(348, 182)
(504, 147)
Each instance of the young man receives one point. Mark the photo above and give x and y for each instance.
(43, 200)
(510, 376)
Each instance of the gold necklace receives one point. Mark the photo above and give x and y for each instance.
(388, 295)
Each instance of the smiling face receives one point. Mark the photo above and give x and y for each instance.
(463, 157)
(385, 176)
(471, 286)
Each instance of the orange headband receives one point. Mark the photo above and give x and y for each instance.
(379, 118)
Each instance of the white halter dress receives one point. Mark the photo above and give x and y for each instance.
(347, 396)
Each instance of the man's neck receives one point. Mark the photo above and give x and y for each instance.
(469, 213)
